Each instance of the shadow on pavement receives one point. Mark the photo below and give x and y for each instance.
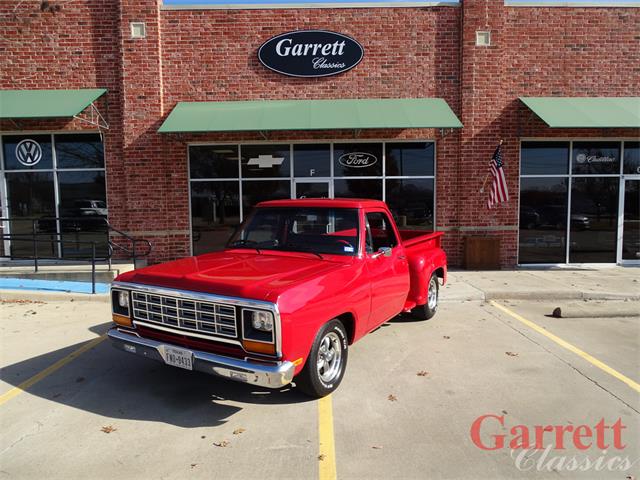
(114, 384)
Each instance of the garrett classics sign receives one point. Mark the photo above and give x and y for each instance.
(310, 53)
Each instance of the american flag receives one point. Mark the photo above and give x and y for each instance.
(499, 193)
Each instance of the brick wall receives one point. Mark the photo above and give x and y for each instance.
(199, 55)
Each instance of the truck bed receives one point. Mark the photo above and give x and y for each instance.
(426, 240)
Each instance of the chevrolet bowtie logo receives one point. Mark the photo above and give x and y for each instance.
(265, 161)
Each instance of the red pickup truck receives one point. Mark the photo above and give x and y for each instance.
(298, 282)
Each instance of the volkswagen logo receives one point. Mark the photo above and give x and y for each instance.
(28, 152)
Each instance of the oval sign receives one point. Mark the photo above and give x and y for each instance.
(357, 160)
(310, 53)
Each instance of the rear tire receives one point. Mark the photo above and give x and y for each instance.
(326, 363)
(429, 309)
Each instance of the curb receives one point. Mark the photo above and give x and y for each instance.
(40, 296)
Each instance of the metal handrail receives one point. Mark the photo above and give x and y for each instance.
(34, 237)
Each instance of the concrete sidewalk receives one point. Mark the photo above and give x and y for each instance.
(606, 283)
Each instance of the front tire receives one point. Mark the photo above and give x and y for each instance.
(326, 362)
(429, 309)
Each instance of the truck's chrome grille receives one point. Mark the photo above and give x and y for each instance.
(182, 313)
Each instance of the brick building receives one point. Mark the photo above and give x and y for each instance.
(128, 133)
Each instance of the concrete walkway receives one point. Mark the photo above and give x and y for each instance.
(606, 283)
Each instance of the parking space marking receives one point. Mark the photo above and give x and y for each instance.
(15, 391)
(327, 454)
(594, 361)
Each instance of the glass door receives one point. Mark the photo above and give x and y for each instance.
(631, 222)
(312, 188)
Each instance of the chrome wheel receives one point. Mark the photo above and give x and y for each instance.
(329, 361)
(432, 294)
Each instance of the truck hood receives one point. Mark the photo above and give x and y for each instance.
(245, 275)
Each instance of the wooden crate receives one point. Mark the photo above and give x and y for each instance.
(482, 253)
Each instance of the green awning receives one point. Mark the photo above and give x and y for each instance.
(46, 103)
(586, 112)
(269, 115)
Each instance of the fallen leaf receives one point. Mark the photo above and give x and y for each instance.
(511, 354)
(376, 447)
(194, 465)
(223, 443)
(392, 398)
(108, 429)
(321, 457)
(422, 373)
(203, 436)
(504, 412)
(238, 431)
(446, 337)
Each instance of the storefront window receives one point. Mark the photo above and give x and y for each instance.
(79, 151)
(254, 192)
(65, 193)
(211, 161)
(265, 161)
(312, 160)
(543, 220)
(31, 152)
(409, 159)
(545, 158)
(357, 188)
(595, 158)
(357, 160)
(631, 164)
(586, 218)
(215, 211)
(594, 220)
(31, 197)
(411, 201)
(310, 170)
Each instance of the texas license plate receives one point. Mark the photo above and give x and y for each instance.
(178, 357)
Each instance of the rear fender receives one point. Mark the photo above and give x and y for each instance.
(421, 267)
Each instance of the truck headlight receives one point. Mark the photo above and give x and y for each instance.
(258, 331)
(123, 299)
(120, 307)
(262, 321)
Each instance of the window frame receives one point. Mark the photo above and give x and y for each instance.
(570, 176)
(292, 178)
(4, 211)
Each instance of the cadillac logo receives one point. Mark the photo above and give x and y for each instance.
(357, 160)
(28, 152)
(310, 53)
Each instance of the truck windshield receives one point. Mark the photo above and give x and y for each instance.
(315, 230)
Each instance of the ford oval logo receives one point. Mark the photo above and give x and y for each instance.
(310, 53)
(357, 160)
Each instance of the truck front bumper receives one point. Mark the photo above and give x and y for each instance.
(264, 375)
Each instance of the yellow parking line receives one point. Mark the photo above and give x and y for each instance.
(594, 361)
(327, 457)
(15, 391)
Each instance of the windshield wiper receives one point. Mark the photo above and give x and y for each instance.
(244, 243)
(297, 248)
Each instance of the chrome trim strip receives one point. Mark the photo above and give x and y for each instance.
(188, 333)
(211, 297)
(269, 376)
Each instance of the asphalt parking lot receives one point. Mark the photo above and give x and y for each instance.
(406, 407)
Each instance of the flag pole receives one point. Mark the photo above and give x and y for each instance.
(486, 177)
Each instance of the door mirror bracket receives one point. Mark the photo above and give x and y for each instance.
(382, 252)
